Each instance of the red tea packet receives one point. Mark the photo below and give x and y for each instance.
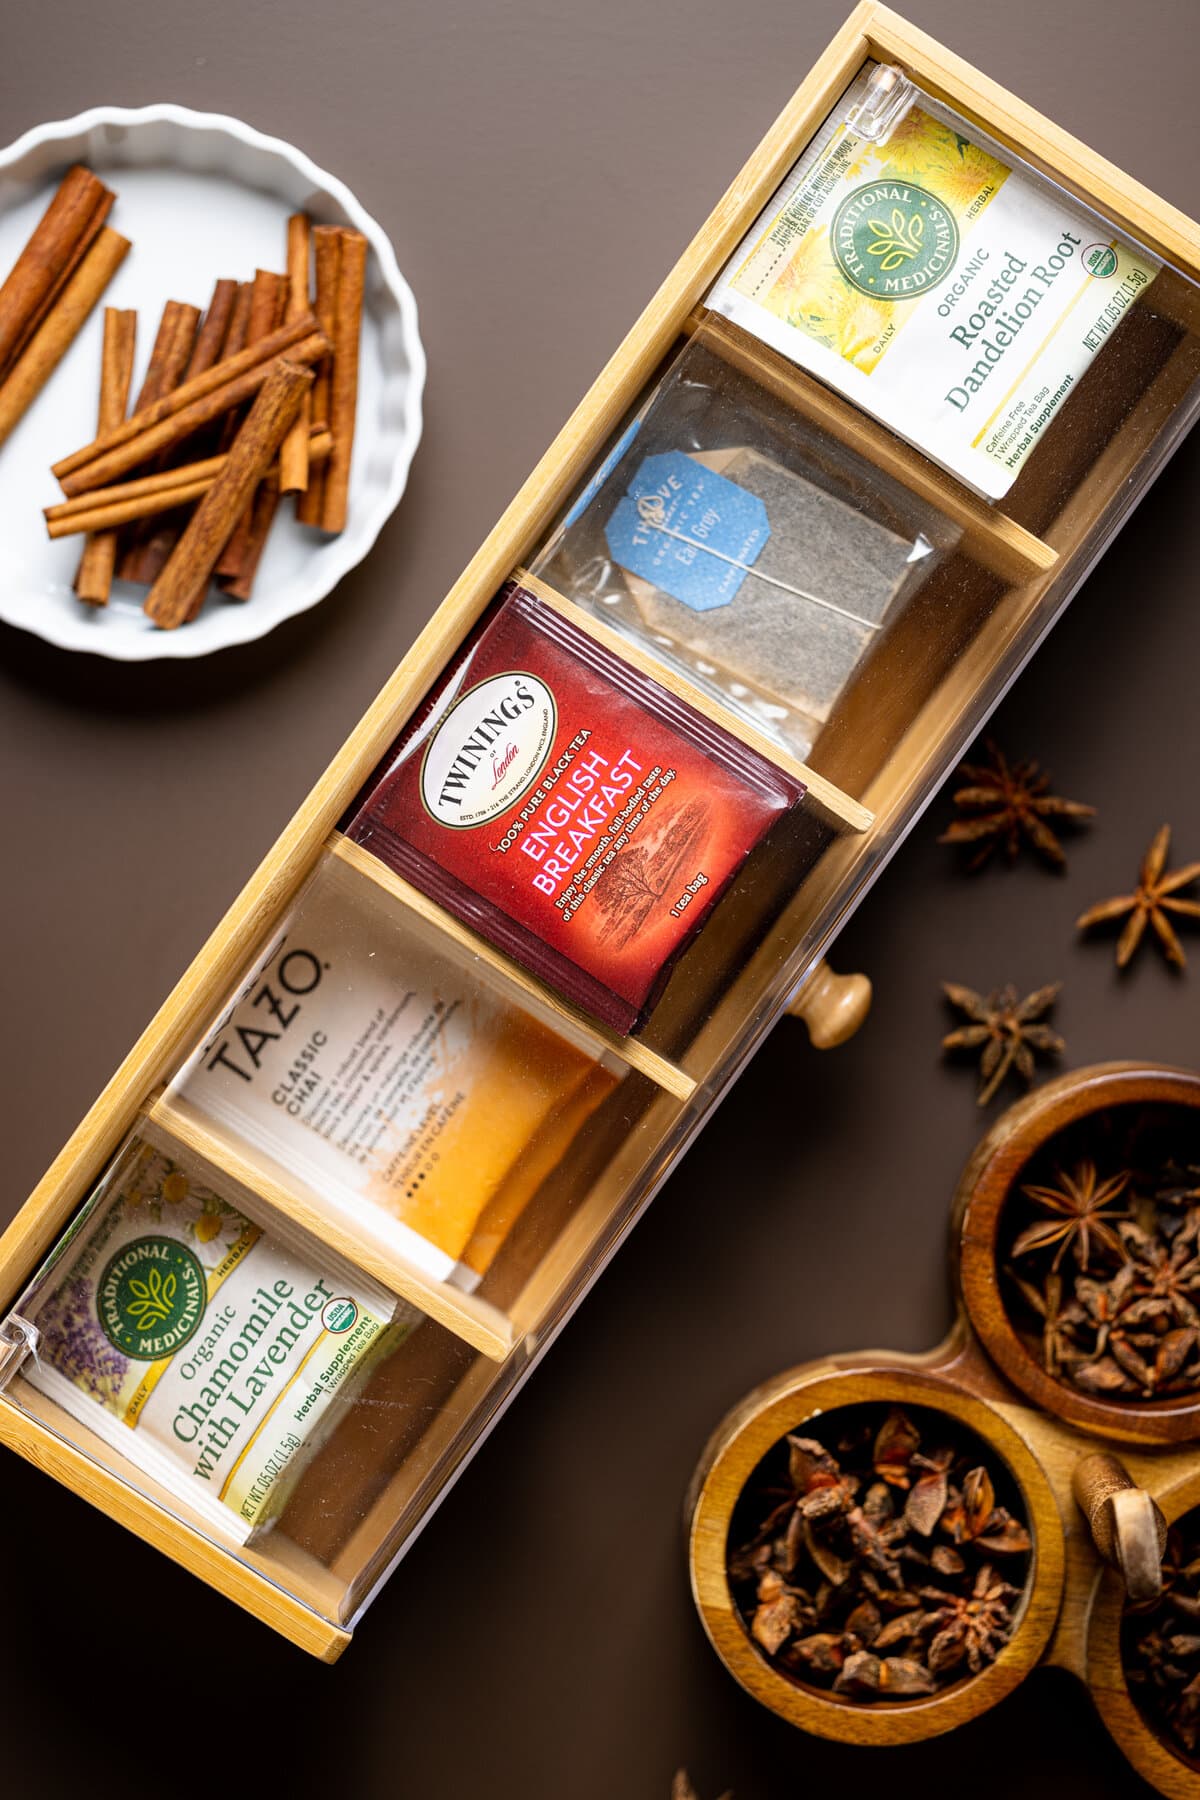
(568, 808)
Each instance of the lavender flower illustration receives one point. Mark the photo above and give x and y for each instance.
(72, 1341)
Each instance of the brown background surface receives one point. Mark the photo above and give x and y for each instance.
(539, 166)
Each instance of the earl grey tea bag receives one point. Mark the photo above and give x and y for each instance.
(742, 547)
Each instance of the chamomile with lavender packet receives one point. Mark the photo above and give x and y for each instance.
(211, 1352)
(743, 547)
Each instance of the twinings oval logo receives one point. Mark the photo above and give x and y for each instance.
(488, 750)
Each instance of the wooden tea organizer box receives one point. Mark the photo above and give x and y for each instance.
(819, 509)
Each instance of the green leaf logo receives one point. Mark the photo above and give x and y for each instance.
(151, 1297)
(897, 242)
(150, 1301)
(893, 240)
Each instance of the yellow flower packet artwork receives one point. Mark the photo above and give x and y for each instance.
(956, 298)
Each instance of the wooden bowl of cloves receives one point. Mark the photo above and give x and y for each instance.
(875, 1554)
(1077, 1242)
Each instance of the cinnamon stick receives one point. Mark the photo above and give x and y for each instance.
(327, 257)
(254, 535)
(153, 495)
(209, 346)
(293, 457)
(58, 330)
(226, 384)
(149, 557)
(268, 305)
(57, 246)
(347, 329)
(239, 319)
(180, 588)
(94, 577)
(169, 357)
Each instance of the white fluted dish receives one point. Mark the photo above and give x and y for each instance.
(200, 196)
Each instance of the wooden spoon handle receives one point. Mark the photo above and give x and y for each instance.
(832, 1006)
(1128, 1529)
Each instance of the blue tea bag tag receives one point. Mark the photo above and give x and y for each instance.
(690, 532)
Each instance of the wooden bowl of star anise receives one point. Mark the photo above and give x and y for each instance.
(1077, 1242)
(875, 1554)
(1143, 1659)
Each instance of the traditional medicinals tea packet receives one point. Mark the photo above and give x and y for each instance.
(213, 1354)
(956, 297)
(569, 808)
(382, 1074)
(765, 582)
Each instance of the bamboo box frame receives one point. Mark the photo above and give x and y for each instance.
(868, 779)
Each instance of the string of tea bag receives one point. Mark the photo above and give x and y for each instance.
(652, 512)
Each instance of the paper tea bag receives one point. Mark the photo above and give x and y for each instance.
(757, 570)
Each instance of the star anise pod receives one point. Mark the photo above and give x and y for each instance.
(1007, 1030)
(970, 1629)
(1166, 1277)
(883, 1677)
(1005, 805)
(974, 1518)
(1156, 895)
(1082, 1215)
(1058, 1317)
(682, 1789)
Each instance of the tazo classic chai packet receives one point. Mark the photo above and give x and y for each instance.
(212, 1354)
(569, 808)
(955, 297)
(393, 1082)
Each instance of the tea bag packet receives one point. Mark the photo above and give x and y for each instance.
(211, 1352)
(743, 547)
(912, 264)
(756, 571)
(383, 1075)
(569, 808)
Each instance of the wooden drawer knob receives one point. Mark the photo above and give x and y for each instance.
(1126, 1524)
(832, 1006)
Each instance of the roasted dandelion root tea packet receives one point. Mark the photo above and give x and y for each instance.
(380, 1072)
(569, 808)
(212, 1354)
(739, 545)
(907, 262)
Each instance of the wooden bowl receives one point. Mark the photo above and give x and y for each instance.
(729, 1462)
(1076, 1108)
(1168, 1769)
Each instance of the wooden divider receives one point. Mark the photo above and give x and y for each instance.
(465, 1315)
(840, 808)
(527, 987)
(992, 539)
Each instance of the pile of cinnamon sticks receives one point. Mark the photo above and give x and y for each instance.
(56, 281)
(251, 401)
